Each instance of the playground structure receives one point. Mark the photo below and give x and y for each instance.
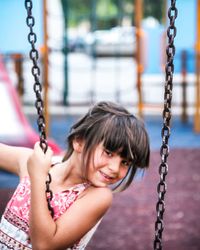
(183, 45)
(145, 67)
(139, 71)
(14, 127)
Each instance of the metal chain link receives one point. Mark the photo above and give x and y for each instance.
(165, 132)
(34, 56)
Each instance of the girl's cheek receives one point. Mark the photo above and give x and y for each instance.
(97, 160)
(123, 172)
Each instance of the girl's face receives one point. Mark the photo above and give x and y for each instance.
(106, 167)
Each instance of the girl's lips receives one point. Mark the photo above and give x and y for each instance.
(106, 176)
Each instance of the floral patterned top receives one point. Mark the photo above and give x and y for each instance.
(14, 226)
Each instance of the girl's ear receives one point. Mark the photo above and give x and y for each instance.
(78, 145)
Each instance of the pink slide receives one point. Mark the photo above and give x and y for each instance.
(14, 127)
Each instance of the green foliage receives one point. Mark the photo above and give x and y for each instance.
(107, 11)
(154, 8)
(106, 8)
(76, 11)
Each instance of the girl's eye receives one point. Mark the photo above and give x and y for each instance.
(108, 152)
(125, 163)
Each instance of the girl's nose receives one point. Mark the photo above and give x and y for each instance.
(114, 165)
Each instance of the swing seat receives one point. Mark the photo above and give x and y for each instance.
(14, 127)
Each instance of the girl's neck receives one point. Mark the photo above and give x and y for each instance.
(67, 173)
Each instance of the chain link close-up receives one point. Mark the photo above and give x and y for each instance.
(34, 56)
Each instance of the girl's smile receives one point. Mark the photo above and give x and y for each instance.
(107, 177)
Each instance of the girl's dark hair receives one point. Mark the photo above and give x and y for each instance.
(119, 130)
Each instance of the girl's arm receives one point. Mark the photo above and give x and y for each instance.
(14, 159)
(72, 225)
(45, 233)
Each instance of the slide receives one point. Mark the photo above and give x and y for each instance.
(14, 126)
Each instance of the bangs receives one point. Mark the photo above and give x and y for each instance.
(117, 138)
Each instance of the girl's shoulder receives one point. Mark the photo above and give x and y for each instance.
(99, 196)
(100, 191)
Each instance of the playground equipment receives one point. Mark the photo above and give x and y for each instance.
(14, 127)
(165, 132)
(120, 89)
(186, 60)
(34, 56)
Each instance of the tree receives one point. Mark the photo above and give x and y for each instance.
(108, 12)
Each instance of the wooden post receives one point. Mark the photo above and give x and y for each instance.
(18, 59)
(138, 17)
(197, 104)
(45, 67)
(164, 12)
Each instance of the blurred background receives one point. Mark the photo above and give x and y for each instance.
(115, 50)
(91, 47)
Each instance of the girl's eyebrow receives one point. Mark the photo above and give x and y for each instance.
(127, 159)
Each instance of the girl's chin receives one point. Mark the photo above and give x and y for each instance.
(100, 184)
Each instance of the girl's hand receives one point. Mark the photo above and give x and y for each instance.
(39, 163)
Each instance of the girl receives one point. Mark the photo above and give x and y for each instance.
(105, 148)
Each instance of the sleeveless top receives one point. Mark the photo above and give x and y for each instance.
(14, 226)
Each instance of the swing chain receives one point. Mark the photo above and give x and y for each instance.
(34, 56)
(165, 132)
